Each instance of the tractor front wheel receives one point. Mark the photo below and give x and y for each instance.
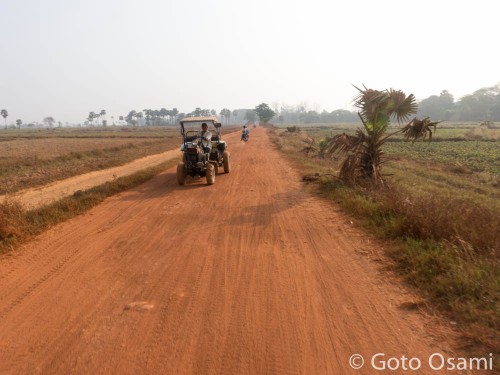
(210, 174)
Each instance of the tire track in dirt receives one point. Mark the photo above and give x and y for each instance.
(249, 275)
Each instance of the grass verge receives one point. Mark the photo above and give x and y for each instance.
(18, 225)
(445, 246)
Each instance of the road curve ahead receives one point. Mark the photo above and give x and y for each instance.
(252, 275)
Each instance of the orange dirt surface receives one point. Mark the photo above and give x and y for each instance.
(251, 275)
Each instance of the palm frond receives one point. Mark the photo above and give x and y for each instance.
(345, 143)
(350, 169)
(310, 150)
(402, 106)
(370, 102)
(311, 147)
(417, 129)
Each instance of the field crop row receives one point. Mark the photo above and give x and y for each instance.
(478, 156)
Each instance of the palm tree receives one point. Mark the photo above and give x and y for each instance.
(103, 114)
(364, 149)
(163, 114)
(171, 116)
(4, 114)
(19, 122)
(91, 118)
(226, 114)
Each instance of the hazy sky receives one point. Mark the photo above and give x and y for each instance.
(65, 58)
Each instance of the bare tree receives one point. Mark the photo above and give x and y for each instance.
(49, 121)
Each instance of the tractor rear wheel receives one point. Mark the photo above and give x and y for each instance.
(181, 174)
(226, 161)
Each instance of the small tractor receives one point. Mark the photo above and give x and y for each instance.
(202, 157)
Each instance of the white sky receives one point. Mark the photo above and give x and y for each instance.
(65, 58)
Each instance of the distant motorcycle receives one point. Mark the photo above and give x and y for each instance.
(244, 137)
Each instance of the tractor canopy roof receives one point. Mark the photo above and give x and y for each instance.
(208, 119)
(195, 123)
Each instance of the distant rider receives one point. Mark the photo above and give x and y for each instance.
(244, 133)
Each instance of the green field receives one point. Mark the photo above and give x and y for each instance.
(474, 156)
(457, 145)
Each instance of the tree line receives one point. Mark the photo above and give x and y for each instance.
(481, 105)
(164, 116)
(48, 121)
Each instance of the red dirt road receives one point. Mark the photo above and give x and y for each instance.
(252, 275)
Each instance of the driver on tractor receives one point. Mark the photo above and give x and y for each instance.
(205, 138)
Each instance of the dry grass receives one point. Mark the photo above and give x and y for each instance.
(456, 220)
(482, 132)
(34, 158)
(40, 149)
(89, 132)
(12, 221)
